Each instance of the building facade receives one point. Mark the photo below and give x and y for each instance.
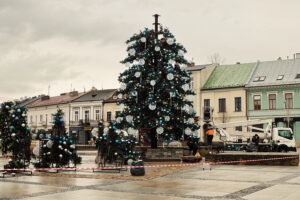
(223, 95)
(274, 93)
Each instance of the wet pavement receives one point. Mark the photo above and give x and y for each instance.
(222, 182)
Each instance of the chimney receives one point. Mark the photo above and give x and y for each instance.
(62, 94)
(191, 64)
(279, 58)
(238, 63)
(43, 98)
(73, 93)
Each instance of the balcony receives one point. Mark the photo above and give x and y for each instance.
(274, 113)
(84, 123)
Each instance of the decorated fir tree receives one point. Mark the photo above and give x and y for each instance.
(14, 135)
(154, 87)
(113, 143)
(59, 150)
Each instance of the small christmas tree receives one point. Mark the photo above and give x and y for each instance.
(14, 135)
(114, 143)
(154, 87)
(59, 150)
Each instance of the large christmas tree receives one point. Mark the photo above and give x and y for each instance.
(14, 135)
(59, 150)
(154, 87)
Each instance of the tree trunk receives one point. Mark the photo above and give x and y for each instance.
(153, 138)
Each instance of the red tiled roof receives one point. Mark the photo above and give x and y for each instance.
(56, 100)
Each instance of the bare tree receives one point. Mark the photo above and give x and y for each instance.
(216, 58)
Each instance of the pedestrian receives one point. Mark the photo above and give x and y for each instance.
(209, 135)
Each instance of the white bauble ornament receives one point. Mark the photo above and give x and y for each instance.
(59, 146)
(123, 86)
(122, 106)
(105, 130)
(191, 120)
(157, 48)
(170, 76)
(119, 119)
(129, 162)
(180, 53)
(72, 146)
(13, 134)
(130, 131)
(188, 131)
(23, 115)
(185, 87)
(23, 125)
(152, 106)
(152, 82)
(137, 74)
(49, 144)
(170, 41)
(143, 39)
(167, 118)
(129, 118)
(36, 151)
(141, 61)
(7, 107)
(159, 130)
(120, 96)
(127, 64)
(60, 155)
(66, 150)
(49, 153)
(186, 108)
(172, 62)
(132, 52)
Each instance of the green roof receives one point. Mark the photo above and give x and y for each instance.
(227, 76)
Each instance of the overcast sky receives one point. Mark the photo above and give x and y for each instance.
(81, 42)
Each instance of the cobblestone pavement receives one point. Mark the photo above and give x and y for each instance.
(222, 182)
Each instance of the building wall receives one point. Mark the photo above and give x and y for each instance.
(281, 116)
(91, 106)
(34, 114)
(110, 107)
(230, 115)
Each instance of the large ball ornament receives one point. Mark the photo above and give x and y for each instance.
(49, 153)
(13, 134)
(141, 61)
(134, 93)
(7, 107)
(170, 76)
(188, 131)
(120, 96)
(159, 130)
(172, 62)
(170, 41)
(129, 118)
(105, 130)
(132, 52)
(185, 87)
(23, 125)
(119, 119)
(152, 82)
(152, 106)
(122, 106)
(180, 53)
(143, 39)
(191, 120)
(137, 74)
(129, 162)
(36, 151)
(49, 144)
(130, 131)
(157, 48)
(72, 146)
(60, 155)
(23, 115)
(123, 86)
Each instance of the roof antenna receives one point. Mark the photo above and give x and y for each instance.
(83, 89)
(48, 90)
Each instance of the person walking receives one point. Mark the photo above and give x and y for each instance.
(209, 135)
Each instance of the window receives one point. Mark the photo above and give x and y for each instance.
(286, 134)
(41, 118)
(97, 114)
(298, 76)
(238, 104)
(280, 77)
(108, 116)
(239, 128)
(256, 79)
(76, 116)
(257, 102)
(191, 84)
(117, 114)
(272, 101)
(87, 115)
(222, 105)
(46, 118)
(206, 104)
(288, 100)
(31, 119)
(262, 78)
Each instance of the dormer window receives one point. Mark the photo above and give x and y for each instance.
(256, 79)
(115, 97)
(262, 78)
(280, 77)
(298, 76)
